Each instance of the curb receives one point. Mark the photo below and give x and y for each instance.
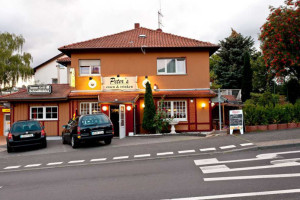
(277, 146)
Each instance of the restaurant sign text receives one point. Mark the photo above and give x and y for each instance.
(119, 83)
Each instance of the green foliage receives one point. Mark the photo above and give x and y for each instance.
(281, 40)
(250, 114)
(297, 111)
(265, 98)
(293, 90)
(13, 62)
(260, 76)
(261, 115)
(247, 78)
(213, 79)
(161, 122)
(149, 110)
(229, 69)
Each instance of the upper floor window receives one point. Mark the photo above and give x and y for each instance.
(89, 67)
(171, 66)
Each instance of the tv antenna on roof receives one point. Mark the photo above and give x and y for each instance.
(160, 15)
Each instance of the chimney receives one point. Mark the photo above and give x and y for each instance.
(137, 25)
(159, 30)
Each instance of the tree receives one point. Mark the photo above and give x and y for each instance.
(149, 110)
(13, 62)
(280, 39)
(229, 69)
(260, 75)
(247, 78)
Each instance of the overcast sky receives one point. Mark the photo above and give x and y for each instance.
(49, 24)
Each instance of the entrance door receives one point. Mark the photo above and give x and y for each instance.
(114, 117)
(6, 124)
(122, 121)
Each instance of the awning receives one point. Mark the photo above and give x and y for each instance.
(118, 97)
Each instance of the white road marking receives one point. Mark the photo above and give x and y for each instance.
(224, 168)
(275, 162)
(76, 161)
(252, 177)
(187, 151)
(98, 159)
(55, 163)
(120, 157)
(1, 187)
(165, 153)
(228, 147)
(275, 154)
(208, 149)
(246, 144)
(248, 194)
(207, 161)
(142, 155)
(33, 165)
(13, 167)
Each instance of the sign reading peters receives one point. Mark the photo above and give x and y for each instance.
(119, 83)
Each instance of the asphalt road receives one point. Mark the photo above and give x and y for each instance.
(160, 170)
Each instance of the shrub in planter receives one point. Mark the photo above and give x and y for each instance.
(250, 116)
(297, 112)
(261, 117)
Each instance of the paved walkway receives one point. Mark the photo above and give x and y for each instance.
(261, 139)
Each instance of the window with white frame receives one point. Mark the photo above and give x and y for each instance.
(44, 112)
(89, 67)
(176, 109)
(89, 108)
(171, 66)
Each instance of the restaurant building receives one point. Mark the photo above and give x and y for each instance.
(108, 74)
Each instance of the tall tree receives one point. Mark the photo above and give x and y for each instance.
(260, 73)
(229, 69)
(247, 78)
(280, 39)
(149, 110)
(13, 62)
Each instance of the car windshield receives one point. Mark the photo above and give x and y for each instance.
(26, 126)
(91, 120)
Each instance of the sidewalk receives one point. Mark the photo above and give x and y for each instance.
(266, 139)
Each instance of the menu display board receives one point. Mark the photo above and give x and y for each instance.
(236, 120)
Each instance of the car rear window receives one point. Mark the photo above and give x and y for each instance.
(91, 120)
(26, 126)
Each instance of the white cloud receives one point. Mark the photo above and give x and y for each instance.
(47, 25)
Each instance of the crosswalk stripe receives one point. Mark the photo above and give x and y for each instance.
(252, 177)
(228, 147)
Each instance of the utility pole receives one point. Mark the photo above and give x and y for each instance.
(220, 119)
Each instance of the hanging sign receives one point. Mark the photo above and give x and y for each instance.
(236, 121)
(72, 73)
(39, 89)
(5, 110)
(119, 83)
(92, 83)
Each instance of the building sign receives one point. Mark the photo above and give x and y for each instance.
(5, 110)
(119, 83)
(236, 121)
(39, 89)
(92, 83)
(72, 74)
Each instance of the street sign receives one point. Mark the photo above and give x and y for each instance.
(236, 121)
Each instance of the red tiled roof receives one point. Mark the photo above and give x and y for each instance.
(64, 59)
(83, 94)
(59, 92)
(132, 39)
(230, 97)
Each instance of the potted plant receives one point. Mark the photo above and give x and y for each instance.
(250, 117)
(262, 119)
(283, 117)
(273, 117)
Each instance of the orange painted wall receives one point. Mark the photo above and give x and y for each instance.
(139, 64)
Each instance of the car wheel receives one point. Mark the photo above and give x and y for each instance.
(9, 149)
(74, 143)
(107, 141)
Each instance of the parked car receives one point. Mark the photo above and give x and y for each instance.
(26, 133)
(95, 127)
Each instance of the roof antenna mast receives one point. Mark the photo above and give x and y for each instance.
(160, 15)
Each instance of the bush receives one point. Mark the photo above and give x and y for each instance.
(250, 114)
(297, 111)
(261, 115)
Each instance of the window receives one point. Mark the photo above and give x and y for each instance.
(171, 66)
(89, 108)
(176, 109)
(54, 81)
(44, 113)
(89, 67)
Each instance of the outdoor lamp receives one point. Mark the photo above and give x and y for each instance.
(203, 105)
(128, 108)
(118, 75)
(155, 87)
(104, 108)
(143, 105)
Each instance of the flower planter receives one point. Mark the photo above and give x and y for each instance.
(262, 127)
(292, 125)
(282, 126)
(272, 127)
(251, 128)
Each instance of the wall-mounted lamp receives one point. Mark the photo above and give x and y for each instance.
(212, 104)
(104, 108)
(203, 105)
(143, 105)
(91, 78)
(118, 75)
(192, 100)
(146, 77)
(128, 108)
(155, 87)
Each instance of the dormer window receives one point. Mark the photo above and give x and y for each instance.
(89, 67)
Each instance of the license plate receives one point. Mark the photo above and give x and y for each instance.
(97, 132)
(26, 136)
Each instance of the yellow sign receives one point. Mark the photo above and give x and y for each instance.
(6, 110)
(72, 73)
